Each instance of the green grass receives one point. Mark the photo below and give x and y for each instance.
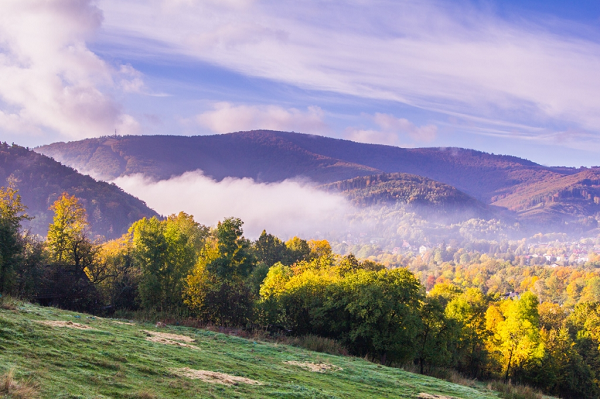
(116, 361)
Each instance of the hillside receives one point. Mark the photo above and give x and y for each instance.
(274, 156)
(557, 199)
(41, 180)
(64, 354)
(417, 192)
(269, 156)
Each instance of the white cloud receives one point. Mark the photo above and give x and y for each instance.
(392, 131)
(226, 117)
(131, 81)
(389, 123)
(48, 76)
(371, 136)
(286, 209)
(441, 56)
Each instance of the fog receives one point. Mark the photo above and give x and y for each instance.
(298, 208)
(288, 208)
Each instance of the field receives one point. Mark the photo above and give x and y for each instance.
(61, 354)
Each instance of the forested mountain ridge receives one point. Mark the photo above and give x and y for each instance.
(41, 180)
(274, 156)
(263, 156)
(537, 192)
(415, 191)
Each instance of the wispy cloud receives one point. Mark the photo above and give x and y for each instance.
(226, 117)
(393, 131)
(49, 79)
(447, 57)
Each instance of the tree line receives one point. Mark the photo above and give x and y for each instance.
(180, 267)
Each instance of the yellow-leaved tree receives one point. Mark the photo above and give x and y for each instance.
(68, 243)
(515, 339)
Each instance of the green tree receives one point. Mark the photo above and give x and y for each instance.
(468, 311)
(269, 249)
(150, 251)
(12, 213)
(375, 313)
(235, 259)
(217, 289)
(165, 252)
(437, 335)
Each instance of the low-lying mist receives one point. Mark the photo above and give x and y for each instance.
(299, 208)
(286, 209)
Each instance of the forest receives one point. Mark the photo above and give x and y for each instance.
(485, 317)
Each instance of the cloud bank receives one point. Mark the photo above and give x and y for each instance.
(285, 209)
(49, 79)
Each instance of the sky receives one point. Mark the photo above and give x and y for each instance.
(506, 77)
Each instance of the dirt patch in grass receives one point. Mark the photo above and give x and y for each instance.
(123, 322)
(212, 377)
(315, 367)
(430, 396)
(168, 336)
(69, 324)
(165, 341)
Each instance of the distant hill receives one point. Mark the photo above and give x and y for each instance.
(270, 156)
(556, 199)
(41, 180)
(419, 193)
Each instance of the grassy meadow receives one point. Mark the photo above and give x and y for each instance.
(51, 353)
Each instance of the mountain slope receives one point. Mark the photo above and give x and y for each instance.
(420, 193)
(67, 354)
(263, 156)
(42, 180)
(559, 198)
(269, 156)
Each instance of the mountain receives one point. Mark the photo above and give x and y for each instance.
(417, 192)
(41, 180)
(269, 156)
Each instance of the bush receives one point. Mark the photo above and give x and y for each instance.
(510, 391)
(317, 344)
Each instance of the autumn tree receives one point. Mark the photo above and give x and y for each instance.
(298, 250)
(468, 310)
(68, 241)
(73, 256)
(515, 333)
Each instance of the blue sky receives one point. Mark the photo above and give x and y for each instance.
(510, 77)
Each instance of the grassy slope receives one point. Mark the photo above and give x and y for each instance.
(115, 360)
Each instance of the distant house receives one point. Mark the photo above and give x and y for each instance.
(422, 249)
